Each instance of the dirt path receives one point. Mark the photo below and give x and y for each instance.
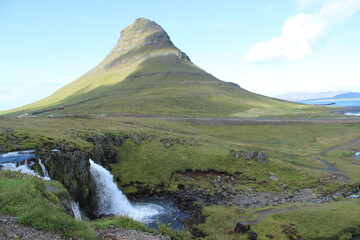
(241, 121)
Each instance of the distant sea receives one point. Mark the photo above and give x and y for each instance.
(338, 102)
(352, 106)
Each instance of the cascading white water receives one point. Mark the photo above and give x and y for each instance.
(21, 168)
(76, 210)
(45, 173)
(113, 201)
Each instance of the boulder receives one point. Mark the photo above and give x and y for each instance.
(241, 228)
(167, 142)
(248, 155)
(236, 154)
(272, 177)
(251, 236)
(291, 232)
(262, 158)
(181, 186)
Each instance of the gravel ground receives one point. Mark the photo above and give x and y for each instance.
(10, 229)
(126, 234)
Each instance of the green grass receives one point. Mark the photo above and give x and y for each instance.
(291, 148)
(25, 197)
(334, 220)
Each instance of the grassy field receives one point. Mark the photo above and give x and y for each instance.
(291, 150)
(333, 220)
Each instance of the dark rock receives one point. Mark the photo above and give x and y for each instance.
(197, 233)
(241, 228)
(71, 167)
(291, 232)
(112, 155)
(236, 154)
(107, 215)
(136, 137)
(248, 155)
(251, 236)
(105, 151)
(66, 206)
(262, 158)
(167, 142)
(118, 141)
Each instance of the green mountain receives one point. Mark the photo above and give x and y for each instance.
(146, 74)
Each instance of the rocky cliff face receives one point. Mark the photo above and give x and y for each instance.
(142, 33)
(71, 167)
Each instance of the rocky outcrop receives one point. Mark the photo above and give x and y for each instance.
(169, 142)
(105, 148)
(291, 232)
(261, 157)
(143, 33)
(71, 167)
(241, 228)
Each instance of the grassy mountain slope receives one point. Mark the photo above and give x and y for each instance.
(146, 74)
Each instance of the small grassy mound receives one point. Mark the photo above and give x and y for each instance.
(26, 197)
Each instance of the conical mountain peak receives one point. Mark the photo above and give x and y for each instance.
(140, 41)
(142, 32)
(146, 74)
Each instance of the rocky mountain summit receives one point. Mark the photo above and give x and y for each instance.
(147, 34)
(142, 32)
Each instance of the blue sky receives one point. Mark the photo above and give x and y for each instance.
(266, 46)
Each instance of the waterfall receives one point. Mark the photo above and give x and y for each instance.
(45, 173)
(112, 201)
(76, 210)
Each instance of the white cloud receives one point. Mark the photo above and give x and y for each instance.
(300, 32)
